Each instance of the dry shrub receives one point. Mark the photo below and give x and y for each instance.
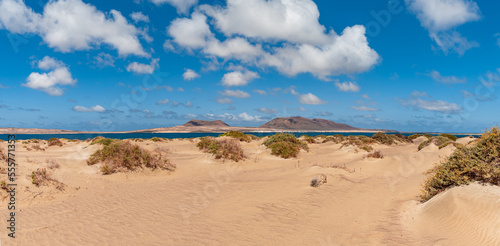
(121, 156)
(383, 138)
(37, 147)
(375, 154)
(285, 145)
(477, 162)
(226, 149)
(43, 177)
(338, 138)
(402, 138)
(240, 136)
(308, 139)
(102, 140)
(54, 142)
(3, 155)
(52, 163)
(362, 142)
(440, 141)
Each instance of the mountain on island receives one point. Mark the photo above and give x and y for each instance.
(301, 123)
(205, 123)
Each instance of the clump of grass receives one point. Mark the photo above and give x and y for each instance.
(156, 139)
(338, 138)
(285, 145)
(415, 136)
(102, 140)
(383, 138)
(43, 177)
(54, 142)
(478, 162)
(375, 154)
(449, 136)
(239, 135)
(121, 156)
(366, 147)
(3, 185)
(309, 139)
(37, 147)
(402, 138)
(440, 141)
(225, 149)
(361, 142)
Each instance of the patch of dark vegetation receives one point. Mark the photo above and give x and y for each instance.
(102, 140)
(225, 149)
(285, 145)
(476, 162)
(383, 138)
(54, 142)
(441, 141)
(375, 154)
(120, 156)
(43, 177)
(240, 136)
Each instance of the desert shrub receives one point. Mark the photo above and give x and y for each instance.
(415, 136)
(37, 147)
(238, 135)
(375, 154)
(402, 138)
(3, 155)
(309, 139)
(383, 138)
(156, 139)
(54, 142)
(122, 156)
(428, 136)
(335, 138)
(449, 136)
(102, 140)
(43, 177)
(321, 136)
(226, 149)
(478, 162)
(361, 142)
(424, 144)
(285, 145)
(253, 137)
(25, 142)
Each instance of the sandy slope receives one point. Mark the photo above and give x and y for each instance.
(264, 200)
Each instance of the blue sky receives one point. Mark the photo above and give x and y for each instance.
(409, 65)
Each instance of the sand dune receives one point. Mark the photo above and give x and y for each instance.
(264, 200)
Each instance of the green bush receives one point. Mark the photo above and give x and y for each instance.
(285, 145)
(383, 138)
(240, 136)
(308, 139)
(54, 142)
(226, 149)
(478, 162)
(122, 155)
(102, 140)
(449, 136)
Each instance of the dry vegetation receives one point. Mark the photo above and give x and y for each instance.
(225, 149)
(375, 154)
(477, 162)
(240, 136)
(119, 156)
(441, 141)
(285, 145)
(43, 177)
(54, 142)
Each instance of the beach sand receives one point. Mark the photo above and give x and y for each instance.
(264, 200)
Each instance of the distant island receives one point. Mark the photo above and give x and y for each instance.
(292, 124)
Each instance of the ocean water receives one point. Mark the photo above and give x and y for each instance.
(184, 135)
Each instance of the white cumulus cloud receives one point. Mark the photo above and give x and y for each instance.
(140, 68)
(69, 25)
(347, 86)
(190, 74)
(139, 16)
(436, 76)
(310, 98)
(235, 93)
(238, 78)
(182, 6)
(50, 82)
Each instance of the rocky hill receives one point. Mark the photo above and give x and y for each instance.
(301, 123)
(205, 123)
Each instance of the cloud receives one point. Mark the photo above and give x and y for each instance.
(139, 16)
(347, 86)
(190, 75)
(324, 113)
(440, 17)
(246, 117)
(304, 46)
(310, 98)
(224, 100)
(96, 108)
(65, 24)
(491, 79)
(436, 76)
(364, 108)
(267, 110)
(238, 78)
(421, 100)
(140, 68)
(50, 82)
(4, 87)
(260, 92)
(182, 6)
(162, 102)
(235, 93)
(365, 96)
(104, 60)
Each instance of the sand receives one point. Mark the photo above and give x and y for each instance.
(264, 200)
